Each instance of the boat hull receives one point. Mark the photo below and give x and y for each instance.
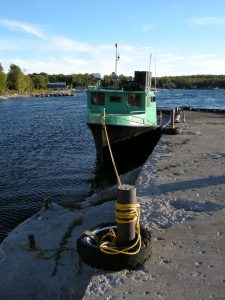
(131, 145)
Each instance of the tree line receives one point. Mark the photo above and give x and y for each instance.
(192, 82)
(15, 81)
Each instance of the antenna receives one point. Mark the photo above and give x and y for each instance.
(149, 74)
(117, 58)
(155, 72)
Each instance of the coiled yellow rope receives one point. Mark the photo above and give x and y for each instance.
(125, 213)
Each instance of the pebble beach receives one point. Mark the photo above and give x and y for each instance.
(180, 189)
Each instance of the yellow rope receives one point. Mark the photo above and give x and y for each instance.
(110, 151)
(125, 213)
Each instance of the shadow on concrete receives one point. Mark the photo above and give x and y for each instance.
(190, 184)
(196, 206)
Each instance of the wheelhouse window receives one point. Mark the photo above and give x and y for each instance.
(97, 98)
(115, 98)
(134, 100)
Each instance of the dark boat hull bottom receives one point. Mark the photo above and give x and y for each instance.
(129, 152)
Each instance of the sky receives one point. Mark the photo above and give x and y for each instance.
(169, 37)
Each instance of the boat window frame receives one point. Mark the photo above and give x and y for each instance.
(97, 98)
(118, 97)
(134, 101)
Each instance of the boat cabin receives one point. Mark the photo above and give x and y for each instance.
(132, 101)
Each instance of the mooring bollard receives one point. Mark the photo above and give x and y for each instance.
(47, 201)
(172, 118)
(160, 118)
(126, 194)
(183, 117)
(31, 239)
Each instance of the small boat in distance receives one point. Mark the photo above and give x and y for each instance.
(130, 116)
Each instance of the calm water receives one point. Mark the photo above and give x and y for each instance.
(46, 147)
(192, 98)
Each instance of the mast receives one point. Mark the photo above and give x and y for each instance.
(117, 58)
(149, 74)
(155, 72)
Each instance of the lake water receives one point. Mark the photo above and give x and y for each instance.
(46, 147)
(192, 98)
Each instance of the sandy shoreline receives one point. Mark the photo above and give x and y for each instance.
(181, 192)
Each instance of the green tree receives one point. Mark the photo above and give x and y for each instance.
(28, 84)
(3, 79)
(77, 80)
(16, 79)
(39, 80)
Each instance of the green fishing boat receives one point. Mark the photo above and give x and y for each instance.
(130, 116)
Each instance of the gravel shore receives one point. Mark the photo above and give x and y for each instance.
(181, 191)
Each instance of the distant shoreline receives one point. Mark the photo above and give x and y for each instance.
(44, 94)
(15, 96)
(69, 93)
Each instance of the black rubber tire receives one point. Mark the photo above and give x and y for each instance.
(91, 254)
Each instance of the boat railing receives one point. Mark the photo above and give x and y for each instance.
(135, 119)
(149, 122)
(137, 112)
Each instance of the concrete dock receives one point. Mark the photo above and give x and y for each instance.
(181, 190)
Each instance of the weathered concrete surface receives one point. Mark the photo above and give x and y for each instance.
(181, 190)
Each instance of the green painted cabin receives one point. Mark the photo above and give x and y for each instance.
(122, 107)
